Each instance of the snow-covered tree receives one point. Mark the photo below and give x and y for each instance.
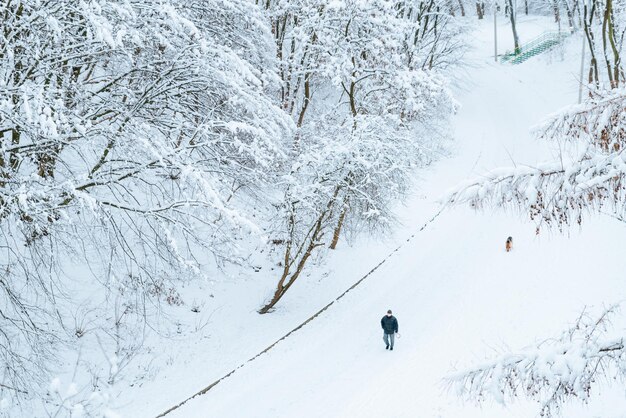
(309, 39)
(377, 70)
(128, 130)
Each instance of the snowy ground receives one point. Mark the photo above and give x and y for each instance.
(457, 295)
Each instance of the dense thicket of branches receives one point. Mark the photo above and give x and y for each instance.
(125, 130)
(361, 81)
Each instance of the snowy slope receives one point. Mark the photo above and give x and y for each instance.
(456, 293)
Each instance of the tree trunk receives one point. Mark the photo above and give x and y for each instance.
(555, 9)
(281, 290)
(311, 240)
(15, 141)
(461, 8)
(337, 231)
(605, 30)
(480, 10)
(570, 17)
(515, 36)
(284, 284)
(616, 68)
(593, 67)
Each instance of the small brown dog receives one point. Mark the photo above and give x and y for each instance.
(509, 244)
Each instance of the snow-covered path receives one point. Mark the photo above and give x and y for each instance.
(456, 293)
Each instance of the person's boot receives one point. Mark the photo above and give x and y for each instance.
(387, 348)
(391, 348)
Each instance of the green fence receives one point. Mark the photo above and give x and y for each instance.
(539, 45)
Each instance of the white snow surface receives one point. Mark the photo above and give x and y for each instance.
(458, 296)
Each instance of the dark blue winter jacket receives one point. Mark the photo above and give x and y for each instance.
(389, 324)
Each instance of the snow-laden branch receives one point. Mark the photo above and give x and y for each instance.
(551, 372)
(600, 120)
(559, 193)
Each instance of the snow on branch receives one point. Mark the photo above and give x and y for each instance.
(551, 372)
(601, 120)
(559, 193)
(552, 193)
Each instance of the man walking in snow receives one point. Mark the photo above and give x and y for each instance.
(390, 328)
